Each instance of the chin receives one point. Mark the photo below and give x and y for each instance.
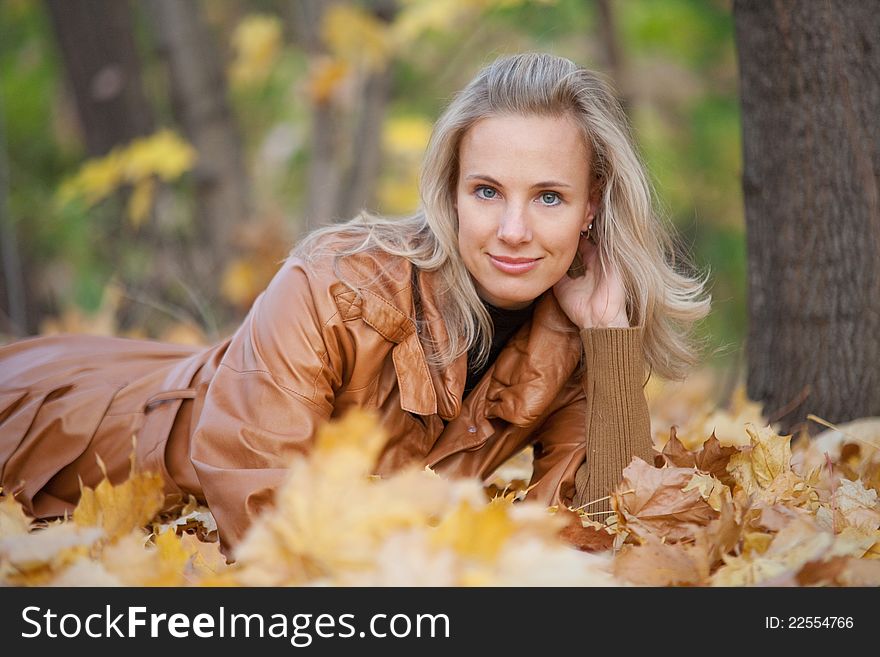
(506, 300)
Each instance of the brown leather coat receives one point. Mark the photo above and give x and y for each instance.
(221, 422)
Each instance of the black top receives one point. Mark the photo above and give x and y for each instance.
(506, 323)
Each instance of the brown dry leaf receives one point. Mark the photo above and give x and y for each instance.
(852, 542)
(860, 572)
(857, 506)
(653, 500)
(655, 563)
(587, 539)
(769, 456)
(123, 508)
(198, 520)
(798, 543)
(747, 571)
(822, 573)
(713, 459)
(713, 491)
(775, 517)
(675, 453)
(719, 537)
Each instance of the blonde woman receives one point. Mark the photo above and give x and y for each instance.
(523, 303)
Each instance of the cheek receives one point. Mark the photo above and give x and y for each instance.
(470, 236)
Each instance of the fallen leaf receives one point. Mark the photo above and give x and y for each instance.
(652, 500)
(120, 509)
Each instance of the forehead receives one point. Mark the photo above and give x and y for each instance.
(524, 145)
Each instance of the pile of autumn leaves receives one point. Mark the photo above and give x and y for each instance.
(742, 510)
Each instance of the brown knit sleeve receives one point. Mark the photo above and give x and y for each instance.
(617, 418)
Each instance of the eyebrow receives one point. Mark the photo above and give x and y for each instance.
(545, 183)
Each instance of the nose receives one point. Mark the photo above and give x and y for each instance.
(513, 227)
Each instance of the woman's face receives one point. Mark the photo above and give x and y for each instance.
(522, 199)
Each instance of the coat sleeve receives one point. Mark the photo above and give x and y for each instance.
(583, 447)
(273, 388)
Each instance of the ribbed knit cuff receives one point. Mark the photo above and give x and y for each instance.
(618, 422)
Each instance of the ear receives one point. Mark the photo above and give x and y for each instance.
(593, 203)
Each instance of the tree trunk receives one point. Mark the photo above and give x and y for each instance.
(363, 171)
(346, 140)
(200, 104)
(609, 52)
(810, 89)
(100, 56)
(12, 285)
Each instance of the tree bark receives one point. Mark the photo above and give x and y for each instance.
(346, 141)
(100, 56)
(810, 93)
(366, 161)
(200, 104)
(609, 51)
(12, 285)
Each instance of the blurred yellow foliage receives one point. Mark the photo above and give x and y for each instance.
(407, 135)
(257, 43)
(420, 16)
(404, 141)
(356, 37)
(163, 154)
(240, 282)
(326, 75)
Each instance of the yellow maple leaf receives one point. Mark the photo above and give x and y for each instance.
(358, 431)
(120, 509)
(171, 557)
(770, 455)
(475, 532)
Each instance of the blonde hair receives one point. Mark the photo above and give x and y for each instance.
(632, 236)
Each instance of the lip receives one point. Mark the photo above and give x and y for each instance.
(513, 265)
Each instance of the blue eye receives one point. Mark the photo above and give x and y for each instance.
(489, 189)
(544, 196)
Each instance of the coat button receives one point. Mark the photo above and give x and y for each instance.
(472, 429)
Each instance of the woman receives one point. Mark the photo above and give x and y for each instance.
(519, 305)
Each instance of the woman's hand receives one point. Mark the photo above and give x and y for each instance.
(593, 300)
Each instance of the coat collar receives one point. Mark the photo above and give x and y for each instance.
(526, 377)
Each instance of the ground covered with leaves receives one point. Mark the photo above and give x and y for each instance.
(727, 502)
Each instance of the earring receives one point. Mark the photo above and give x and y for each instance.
(587, 231)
